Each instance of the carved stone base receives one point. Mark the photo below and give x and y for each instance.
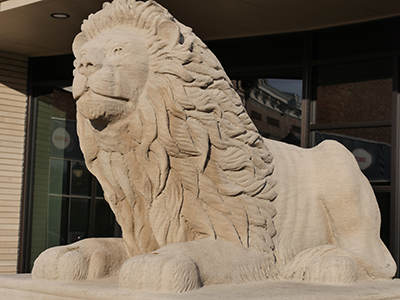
(24, 287)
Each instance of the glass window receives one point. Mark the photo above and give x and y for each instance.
(274, 105)
(354, 107)
(252, 53)
(78, 219)
(59, 176)
(81, 179)
(384, 206)
(57, 226)
(65, 206)
(358, 39)
(354, 92)
(350, 99)
(104, 219)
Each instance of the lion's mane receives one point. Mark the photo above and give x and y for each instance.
(192, 165)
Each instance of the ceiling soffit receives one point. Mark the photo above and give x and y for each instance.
(30, 30)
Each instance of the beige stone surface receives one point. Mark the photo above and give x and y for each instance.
(14, 287)
(201, 197)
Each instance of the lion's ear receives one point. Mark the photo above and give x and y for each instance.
(79, 40)
(169, 30)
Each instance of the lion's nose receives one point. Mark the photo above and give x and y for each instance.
(87, 68)
(88, 63)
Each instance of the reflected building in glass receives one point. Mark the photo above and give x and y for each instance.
(276, 113)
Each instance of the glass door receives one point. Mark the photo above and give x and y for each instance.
(68, 203)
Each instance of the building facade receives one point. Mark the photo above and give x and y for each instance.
(339, 82)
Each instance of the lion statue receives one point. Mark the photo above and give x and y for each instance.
(201, 197)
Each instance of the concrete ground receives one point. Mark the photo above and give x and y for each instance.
(23, 287)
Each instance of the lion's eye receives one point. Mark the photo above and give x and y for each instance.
(118, 51)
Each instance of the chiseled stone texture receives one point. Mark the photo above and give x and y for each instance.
(201, 197)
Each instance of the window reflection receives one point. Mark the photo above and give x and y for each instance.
(64, 205)
(81, 179)
(79, 219)
(274, 105)
(354, 107)
(104, 219)
(57, 232)
(355, 101)
(59, 176)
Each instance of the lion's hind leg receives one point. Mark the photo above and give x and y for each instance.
(352, 209)
(324, 264)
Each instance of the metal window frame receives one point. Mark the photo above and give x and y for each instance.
(395, 173)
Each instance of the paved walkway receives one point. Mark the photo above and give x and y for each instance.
(23, 287)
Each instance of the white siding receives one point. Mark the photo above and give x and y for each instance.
(13, 73)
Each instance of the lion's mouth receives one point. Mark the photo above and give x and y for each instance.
(101, 110)
(90, 95)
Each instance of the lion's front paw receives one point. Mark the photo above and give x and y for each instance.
(87, 259)
(324, 264)
(155, 272)
(331, 269)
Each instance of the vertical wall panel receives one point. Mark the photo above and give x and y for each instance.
(13, 73)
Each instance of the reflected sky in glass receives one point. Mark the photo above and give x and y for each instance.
(287, 85)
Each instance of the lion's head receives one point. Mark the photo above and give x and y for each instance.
(111, 71)
(163, 130)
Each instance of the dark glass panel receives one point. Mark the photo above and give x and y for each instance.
(57, 232)
(384, 206)
(255, 52)
(364, 38)
(45, 73)
(356, 101)
(104, 219)
(354, 72)
(81, 179)
(79, 219)
(64, 221)
(59, 176)
(354, 92)
(99, 190)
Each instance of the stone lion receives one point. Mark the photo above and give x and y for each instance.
(201, 197)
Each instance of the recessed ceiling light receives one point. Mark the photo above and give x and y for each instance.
(60, 16)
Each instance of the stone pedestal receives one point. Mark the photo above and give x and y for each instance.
(24, 287)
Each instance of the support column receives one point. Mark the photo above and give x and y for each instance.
(395, 178)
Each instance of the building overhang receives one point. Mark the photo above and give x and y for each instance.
(26, 26)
